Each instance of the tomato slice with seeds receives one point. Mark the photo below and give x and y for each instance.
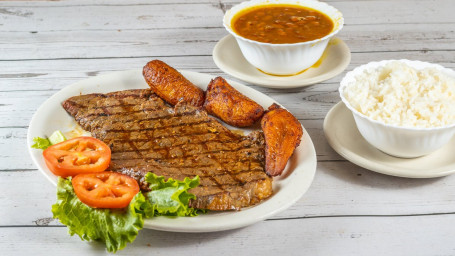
(105, 189)
(78, 155)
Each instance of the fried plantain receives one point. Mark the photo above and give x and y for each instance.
(282, 132)
(224, 101)
(170, 85)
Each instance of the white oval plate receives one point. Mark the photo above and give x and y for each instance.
(287, 188)
(344, 137)
(228, 57)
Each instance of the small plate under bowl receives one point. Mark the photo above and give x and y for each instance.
(344, 137)
(229, 58)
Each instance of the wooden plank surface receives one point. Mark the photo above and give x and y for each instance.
(304, 236)
(47, 45)
(339, 189)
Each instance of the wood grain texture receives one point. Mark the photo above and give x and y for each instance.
(47, 45)
(305, 236)
(39, 45)
(339, 189)
(47, 16)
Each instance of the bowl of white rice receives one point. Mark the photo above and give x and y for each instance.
(403, 108)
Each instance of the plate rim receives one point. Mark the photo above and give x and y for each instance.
(392, 170)
(311, 158)
(273, 84)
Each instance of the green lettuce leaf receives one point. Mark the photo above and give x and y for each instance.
(169, 197)
(115, 228)
(41, 143)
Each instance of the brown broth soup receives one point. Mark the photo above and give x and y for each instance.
(281, 24)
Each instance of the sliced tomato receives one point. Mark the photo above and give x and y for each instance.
(78, 155)
(105, 189)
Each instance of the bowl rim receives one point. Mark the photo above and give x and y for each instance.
(227, 25)
(375, 64)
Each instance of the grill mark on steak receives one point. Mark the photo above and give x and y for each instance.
(121, 113)
(157, 128)
(159, 147)
(146, 135)
(132, 145)
(187, 169)
(161, 137)
(126, 154)
(149, 156)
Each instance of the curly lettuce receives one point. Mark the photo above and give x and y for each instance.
(113, 227)
(171, 197)
(117, 228)
(43, 143)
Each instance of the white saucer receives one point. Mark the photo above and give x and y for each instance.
(342, 134)
(229, 58)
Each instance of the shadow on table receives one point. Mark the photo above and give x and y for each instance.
(357, 175)
(153, 241)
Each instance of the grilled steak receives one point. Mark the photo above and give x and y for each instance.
(146, 135)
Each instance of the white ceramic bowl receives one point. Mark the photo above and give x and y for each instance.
(284, 59)
(405, 142)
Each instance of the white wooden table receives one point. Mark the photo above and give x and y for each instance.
(47, 45)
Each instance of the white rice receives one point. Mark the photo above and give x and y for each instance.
(400, 95)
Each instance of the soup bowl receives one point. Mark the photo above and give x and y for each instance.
(284, 59)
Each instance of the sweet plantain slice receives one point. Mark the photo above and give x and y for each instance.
(170, 85)
(282, 132)
(228, 104)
